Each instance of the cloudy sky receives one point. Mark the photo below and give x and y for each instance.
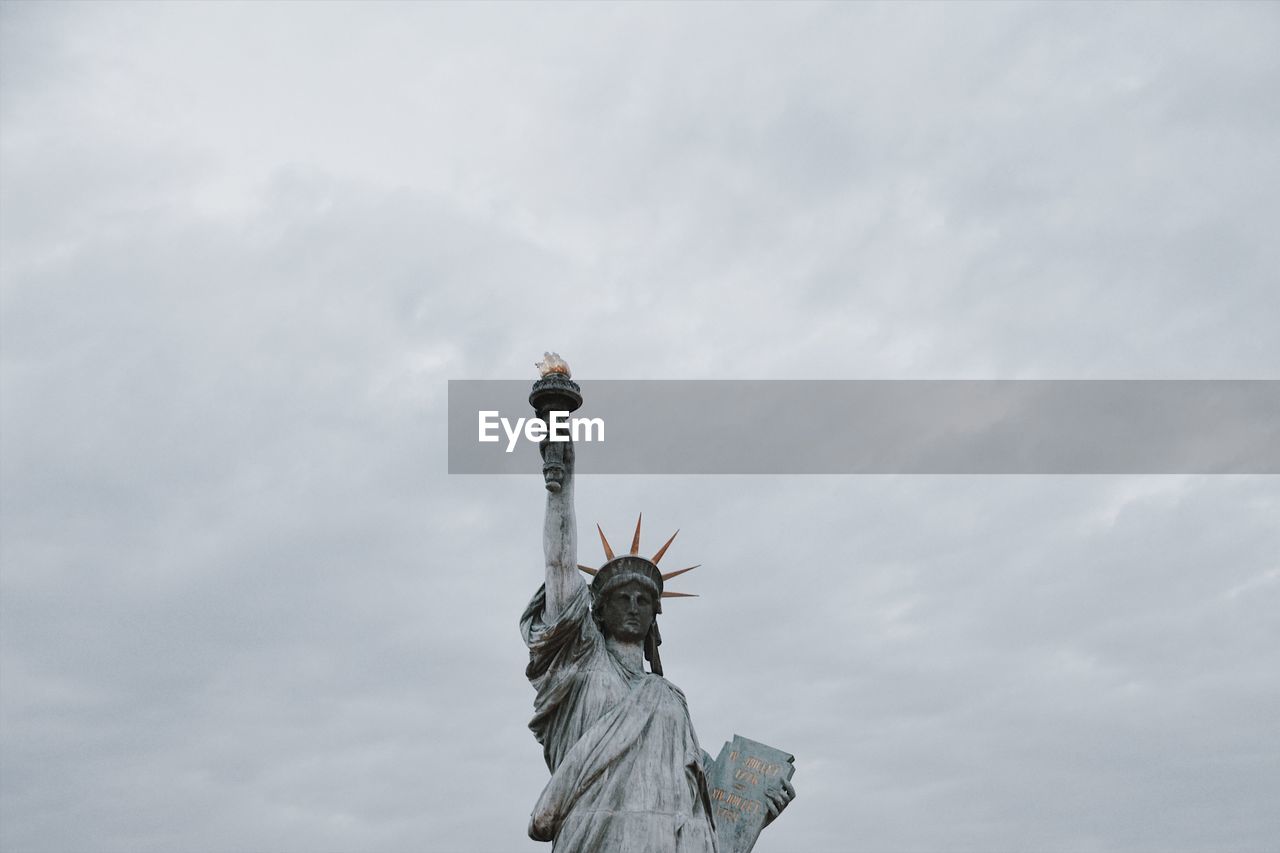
(244, 246)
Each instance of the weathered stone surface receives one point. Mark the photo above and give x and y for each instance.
(742, 773)
(627, 773)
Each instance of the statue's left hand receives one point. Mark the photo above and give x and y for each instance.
(778, 796)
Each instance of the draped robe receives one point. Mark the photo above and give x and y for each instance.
(627, 773)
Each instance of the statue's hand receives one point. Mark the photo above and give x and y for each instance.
(564, 450)
(539, 829)
(557, 462)
(778, 796)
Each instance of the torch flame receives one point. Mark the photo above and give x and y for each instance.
(553, 363)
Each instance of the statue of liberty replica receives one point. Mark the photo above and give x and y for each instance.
(627, 773)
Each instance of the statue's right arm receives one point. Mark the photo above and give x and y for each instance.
(560, 543)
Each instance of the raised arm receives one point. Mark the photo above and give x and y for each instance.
(560, 533)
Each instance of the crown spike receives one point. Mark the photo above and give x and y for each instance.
(635, 540)
(669, 575)
(663, 549)
(679, 595)
(608, 552)
(587, 569)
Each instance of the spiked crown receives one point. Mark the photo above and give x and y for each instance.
(628, 567)
(632, 567)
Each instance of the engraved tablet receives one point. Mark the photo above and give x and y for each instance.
(737, 781)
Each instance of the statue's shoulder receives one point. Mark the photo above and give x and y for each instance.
(679, 694)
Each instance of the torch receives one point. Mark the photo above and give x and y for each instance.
(554, 392)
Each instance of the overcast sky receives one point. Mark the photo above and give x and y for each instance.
(244, 246)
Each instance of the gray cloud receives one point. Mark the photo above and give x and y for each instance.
(243, 247)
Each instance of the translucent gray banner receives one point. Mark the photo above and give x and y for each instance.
(883, 427)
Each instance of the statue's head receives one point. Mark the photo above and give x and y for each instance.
(627, 611)
(626, 595)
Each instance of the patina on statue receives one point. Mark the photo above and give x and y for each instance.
(627, 773)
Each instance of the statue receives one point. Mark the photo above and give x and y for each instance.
(627, 772)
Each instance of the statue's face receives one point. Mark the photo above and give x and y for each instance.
(627, 611)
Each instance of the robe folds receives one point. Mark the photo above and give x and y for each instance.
(627, 773)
